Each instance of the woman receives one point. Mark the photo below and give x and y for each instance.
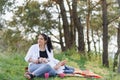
(40, 58)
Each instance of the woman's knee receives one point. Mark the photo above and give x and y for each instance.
(47, 66)
(52, 72)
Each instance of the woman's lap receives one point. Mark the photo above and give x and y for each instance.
(33, 67)
(40, 69)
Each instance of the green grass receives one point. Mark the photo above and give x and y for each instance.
(12, 67)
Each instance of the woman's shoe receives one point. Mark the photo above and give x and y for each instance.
(46, 75)
(28, 76)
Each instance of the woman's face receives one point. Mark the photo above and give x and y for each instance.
(41, 40)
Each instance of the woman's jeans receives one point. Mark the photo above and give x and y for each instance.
(40, 69)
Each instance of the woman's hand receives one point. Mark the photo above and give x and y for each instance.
(45, 60)
(36, 61)
(42, 60)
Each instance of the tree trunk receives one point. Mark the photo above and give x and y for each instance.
(119, 42)
(60, 32)
(88, 25)
(105, 34)
(78, 25)
(115, 63)
(94, 42)
(118, 3)
(65, 25)
(99, 46)
(119, 65)
(72, 28)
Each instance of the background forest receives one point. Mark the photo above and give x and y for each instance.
(89, 28)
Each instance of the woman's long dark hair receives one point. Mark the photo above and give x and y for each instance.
(49, 43)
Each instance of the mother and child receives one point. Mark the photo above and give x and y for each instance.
(41, 60)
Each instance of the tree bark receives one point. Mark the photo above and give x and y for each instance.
(94, 42)
(119, 42)
(105, 34)
(72, 27)
(78, 25)
(115, 63)
(88, 25)
(60, 32)
(119, 65)
(65, 25)
(61, 40)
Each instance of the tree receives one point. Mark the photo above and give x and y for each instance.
(71, 23)
(66, 29)
(69, 29)
(118, 39)
(60, 31)
(118, 51)
(2, 9)
(88, 24)
(79, 27)
(31, 16)
(105, 34)
(2, 5)
(115, 63)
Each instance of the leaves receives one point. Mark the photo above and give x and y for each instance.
(32, 15)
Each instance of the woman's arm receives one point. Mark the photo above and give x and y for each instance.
(30, 56)
(33, 61)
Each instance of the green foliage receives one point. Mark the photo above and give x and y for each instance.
(13, 41)
(2, 4)
(30, 18)
(33, 17)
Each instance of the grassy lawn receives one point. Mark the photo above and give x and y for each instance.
(12, 67)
